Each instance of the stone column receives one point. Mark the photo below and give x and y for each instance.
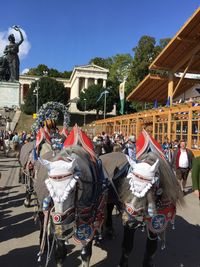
(104, 83)
(95, 81)
(75, 89)
(86, 83)
(74, 95)
(22, 93)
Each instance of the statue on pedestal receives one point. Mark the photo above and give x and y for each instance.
(4, 69)
(11, 58)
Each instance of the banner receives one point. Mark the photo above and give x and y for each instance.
(168, 102)
(121, 97)
(155, 105)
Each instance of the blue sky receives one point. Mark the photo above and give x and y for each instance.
(66, 33)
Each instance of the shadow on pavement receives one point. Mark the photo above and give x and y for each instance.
(8, 166)
(182, 247)
(18, 230)
(9, 188)
(14, 201)
(7, 222)
(27, 256)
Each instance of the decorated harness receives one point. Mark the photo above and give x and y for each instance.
(78, 222)
(159, 212)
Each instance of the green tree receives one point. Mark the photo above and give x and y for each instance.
(144, 54)
(43, 70)
(102, 62)
(120, 67)
(39, 71)
(66, 74)
(49, 90)
(88, 99)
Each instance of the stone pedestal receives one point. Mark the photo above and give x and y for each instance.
(9, 94)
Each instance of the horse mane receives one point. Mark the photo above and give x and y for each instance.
(167, 178)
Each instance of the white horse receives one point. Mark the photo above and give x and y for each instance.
(72, 196)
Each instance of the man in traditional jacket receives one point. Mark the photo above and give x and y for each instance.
(182, 163)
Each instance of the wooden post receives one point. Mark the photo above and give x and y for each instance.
(128, 127)
(153, 132)
(114, 126)
(189, 130)
(169, 126)
(171, 87)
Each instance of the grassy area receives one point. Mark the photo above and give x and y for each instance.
(25, 122)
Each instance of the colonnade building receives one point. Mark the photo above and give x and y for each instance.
(81, 78)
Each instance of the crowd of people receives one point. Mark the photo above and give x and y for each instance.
(180, 158)
(12, 140)
(103, 143)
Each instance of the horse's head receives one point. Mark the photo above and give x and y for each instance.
(140, 185)
(142, 177)
(61, 182)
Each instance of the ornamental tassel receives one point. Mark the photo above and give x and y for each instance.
(163, 240)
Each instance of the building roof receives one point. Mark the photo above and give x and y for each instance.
(155, 87)
(185, 45)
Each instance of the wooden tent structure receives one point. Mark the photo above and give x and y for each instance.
(180, 121)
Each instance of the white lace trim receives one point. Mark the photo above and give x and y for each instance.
(138, 187)
(60, 191)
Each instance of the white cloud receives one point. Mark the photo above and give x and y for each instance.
(23, 48)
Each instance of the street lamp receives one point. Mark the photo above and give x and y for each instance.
(84, 111)
(35, 92)
(105, 94)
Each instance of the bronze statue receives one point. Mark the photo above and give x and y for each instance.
(11, 54)
(4, 69)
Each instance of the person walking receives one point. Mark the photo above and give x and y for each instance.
(130, 147)
(182, 164)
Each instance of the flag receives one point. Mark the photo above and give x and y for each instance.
(121, 96)
(155, 105)
(43, 134)
(103, 93)
(39, 137)
(168, 102)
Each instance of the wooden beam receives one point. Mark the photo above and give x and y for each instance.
(186, 40)
(186, 58)
(185, 71)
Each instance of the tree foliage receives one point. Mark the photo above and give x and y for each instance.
(43, 70)
(119, 70)
(49, 90)
(88, 99)
(102, 62)
(144, 54)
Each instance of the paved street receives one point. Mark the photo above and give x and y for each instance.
(19, 234)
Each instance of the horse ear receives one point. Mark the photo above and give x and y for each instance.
(45, 163)
(131, 162)
(73, 164)
(154, 167)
